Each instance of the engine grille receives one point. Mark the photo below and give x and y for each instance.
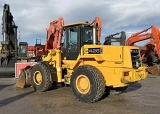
(135, 56)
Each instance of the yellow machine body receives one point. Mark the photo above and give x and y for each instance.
(86, 65)
(114, 62)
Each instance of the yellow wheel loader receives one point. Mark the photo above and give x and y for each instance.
(74, 56)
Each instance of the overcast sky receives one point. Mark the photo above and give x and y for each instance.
(33, 16)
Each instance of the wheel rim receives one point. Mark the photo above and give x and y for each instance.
(37, 78)
(83, 84)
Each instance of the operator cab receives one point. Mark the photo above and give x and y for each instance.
(75, 36)
(23, 48)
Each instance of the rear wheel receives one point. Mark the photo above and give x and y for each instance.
(40, 77)
(87, 83)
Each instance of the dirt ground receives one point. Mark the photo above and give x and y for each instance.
(140, 98)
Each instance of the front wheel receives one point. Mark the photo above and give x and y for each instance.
(87, 83)
(40, 77)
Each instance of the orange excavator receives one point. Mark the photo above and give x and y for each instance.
(150, 53)
(151, 46)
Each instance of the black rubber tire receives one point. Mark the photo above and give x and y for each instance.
(46, 83)
(53, 71)
(97, 82)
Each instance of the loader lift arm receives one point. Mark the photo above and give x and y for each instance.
(98, 24)
(54, 34)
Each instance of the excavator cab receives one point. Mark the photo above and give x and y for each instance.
(23, 46)
(75, 36)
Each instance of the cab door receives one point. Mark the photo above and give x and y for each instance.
(72, 43)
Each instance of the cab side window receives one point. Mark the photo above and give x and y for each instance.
(87, 35)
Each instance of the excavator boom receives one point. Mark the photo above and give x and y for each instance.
(142, 35)
(11, 52)
(154, 35)
(133, 39)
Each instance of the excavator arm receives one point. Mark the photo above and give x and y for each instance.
(9, 29)
(140, 36)
(137, 37)
(154, 35)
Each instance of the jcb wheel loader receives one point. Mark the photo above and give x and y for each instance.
(83, 63)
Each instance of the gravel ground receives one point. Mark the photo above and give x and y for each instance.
(140, 98)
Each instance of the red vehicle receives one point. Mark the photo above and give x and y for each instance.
(30, 52)
(35, 52)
